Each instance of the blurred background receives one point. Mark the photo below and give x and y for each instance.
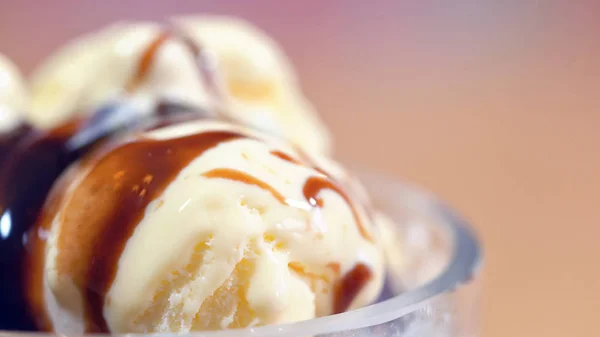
(493, 105)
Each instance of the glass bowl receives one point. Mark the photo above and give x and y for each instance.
(432, 288)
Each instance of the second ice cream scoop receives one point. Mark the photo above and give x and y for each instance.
(248, 80)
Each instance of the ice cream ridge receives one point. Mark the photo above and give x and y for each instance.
(173, 178)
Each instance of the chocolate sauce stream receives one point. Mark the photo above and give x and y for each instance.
(346, 289)
(314, 185)
(284, 156)
(205, 72)
(146, 61)
(110, 201)
(245, 178)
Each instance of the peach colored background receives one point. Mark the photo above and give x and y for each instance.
(494, 105)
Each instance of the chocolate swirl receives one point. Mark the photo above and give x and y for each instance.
(245, 178)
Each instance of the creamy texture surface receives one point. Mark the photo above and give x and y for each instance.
(13, 96)
(204, 225)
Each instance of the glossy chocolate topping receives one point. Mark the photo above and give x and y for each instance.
(349, 286)
(284, 156)
(235, 175)
(316, 184)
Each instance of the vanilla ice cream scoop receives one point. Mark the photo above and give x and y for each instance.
(216, 64)
(201, 226)
(144, 62)
(13, 96)
(261, 87)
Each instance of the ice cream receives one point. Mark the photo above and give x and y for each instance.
(142, 63)
(262, 88)
(202, 225)
(13, 96)
(124, 209)
(224, 66)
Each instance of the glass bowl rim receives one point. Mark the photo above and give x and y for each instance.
(465, 263)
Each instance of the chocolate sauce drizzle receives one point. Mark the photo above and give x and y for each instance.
(147, 60)
(245, 178)
(312, 188)
(284, 156)
(349, 286)
(205, 72)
